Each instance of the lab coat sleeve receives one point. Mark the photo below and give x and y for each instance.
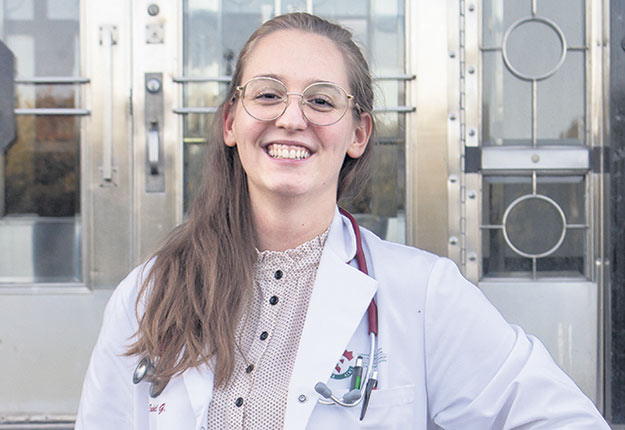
(107, 396)
(483, 373)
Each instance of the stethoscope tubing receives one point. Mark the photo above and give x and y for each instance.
(372, 322)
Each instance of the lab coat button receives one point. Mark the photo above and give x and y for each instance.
(249, 368)
(264, 335)
(238, 402)
(278, 274)
(273, 300)
(302, 398)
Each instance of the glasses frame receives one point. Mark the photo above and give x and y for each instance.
(240, 90)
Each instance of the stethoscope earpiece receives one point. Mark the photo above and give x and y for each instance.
(351, 398)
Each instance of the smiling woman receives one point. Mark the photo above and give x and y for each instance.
(304, 191)
(239, 320)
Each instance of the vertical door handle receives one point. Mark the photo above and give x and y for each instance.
(154, 124)
(107, 40)
(153, 148)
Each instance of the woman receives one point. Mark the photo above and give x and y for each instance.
(255, 309)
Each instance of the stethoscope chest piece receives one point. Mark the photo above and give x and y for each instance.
(145, 372)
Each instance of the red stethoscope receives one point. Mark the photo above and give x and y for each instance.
(359, 390)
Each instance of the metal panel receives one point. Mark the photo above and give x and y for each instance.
(558, 314)
(614, 264)
(156, 213)
(497, 159)
(107, 201)
(427, 57)
(46, 344)
(471, 196)
(454, 61)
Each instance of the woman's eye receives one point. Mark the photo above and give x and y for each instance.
(320, 102)
(267, 97)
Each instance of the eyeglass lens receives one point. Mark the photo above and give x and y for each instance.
(322, 103)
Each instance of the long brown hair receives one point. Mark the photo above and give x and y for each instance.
(202, 277)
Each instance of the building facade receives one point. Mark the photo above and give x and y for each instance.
(500, 144)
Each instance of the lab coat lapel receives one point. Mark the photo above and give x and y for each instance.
(199, 383)
(338, 303)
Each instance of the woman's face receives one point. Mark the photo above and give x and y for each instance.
(265, 148)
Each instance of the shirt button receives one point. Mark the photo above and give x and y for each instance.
(273, 300)
(302, 398)
(238, 402)
(278, 274)
(264, 335)
(249, 368)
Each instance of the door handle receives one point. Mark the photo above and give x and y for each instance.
(153, 148)
(154, 125)
(108, 38)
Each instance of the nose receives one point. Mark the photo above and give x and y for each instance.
(293, 116)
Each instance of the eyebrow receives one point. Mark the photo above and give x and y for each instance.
(268, 75)
(281, 78)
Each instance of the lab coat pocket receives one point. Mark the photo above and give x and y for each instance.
(391, 408)
(390, 397)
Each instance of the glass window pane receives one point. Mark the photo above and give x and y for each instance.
(569, 14)
(560, 103)
(497, 16)
(520, 227)
(40, 185)
(506, 104)
(533, 72)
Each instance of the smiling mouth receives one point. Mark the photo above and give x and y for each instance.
(287, 152)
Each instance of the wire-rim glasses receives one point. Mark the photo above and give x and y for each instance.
(266, 99)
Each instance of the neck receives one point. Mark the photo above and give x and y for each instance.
(287, 223)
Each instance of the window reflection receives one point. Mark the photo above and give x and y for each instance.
(41, 168)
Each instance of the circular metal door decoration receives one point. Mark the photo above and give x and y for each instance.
(534, 226)
(528, 20)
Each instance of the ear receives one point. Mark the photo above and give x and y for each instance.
(228, 121)
(362, 134)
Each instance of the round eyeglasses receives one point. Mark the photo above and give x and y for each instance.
(266, 99)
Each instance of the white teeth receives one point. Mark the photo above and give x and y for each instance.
(288, 152)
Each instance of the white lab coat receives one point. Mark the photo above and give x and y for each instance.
(446, 358)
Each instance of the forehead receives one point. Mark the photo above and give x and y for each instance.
(298, 58)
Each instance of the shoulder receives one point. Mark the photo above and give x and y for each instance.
(403, 259)
(123, 301)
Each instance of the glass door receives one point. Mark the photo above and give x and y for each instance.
(90, 181)
(529, 174)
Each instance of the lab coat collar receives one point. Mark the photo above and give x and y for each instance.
(338, 303)
(341, 237)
